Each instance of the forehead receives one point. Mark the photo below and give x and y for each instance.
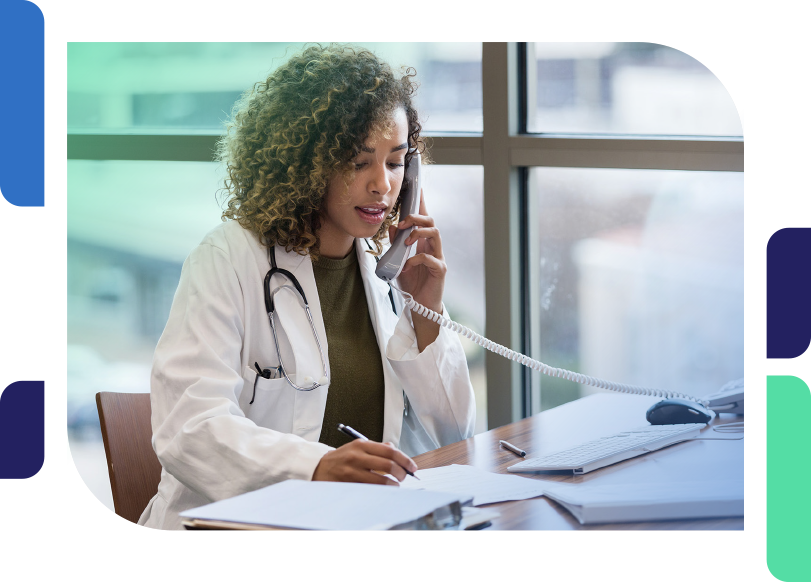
(394, 130)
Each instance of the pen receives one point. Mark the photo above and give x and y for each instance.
(512, 448)
(352, 433)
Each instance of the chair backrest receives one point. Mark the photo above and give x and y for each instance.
(133, 466)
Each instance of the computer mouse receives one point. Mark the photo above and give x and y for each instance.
(678, 411)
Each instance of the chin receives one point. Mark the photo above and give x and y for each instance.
(367, 231)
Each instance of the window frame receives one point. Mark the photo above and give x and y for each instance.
(506, 151)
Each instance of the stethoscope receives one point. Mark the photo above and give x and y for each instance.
(270, 308)
(310, 384)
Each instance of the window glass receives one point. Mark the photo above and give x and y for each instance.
(640, 278)
(192, 86)
(130, 226)
(454, 198)
(635, 88)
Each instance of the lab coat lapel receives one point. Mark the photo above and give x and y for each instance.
(308, 412)
(384, 321)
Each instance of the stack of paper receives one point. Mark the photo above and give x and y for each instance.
(322, 505)
(596, 503)
(467, 481)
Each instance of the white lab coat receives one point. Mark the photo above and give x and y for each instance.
(212, 443)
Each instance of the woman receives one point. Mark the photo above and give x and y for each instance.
(315, 158)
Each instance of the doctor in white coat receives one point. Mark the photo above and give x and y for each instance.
(316, 156)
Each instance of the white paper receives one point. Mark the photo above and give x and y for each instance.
(626, 502)
(624, 494)
(324, 505)
(485, 487)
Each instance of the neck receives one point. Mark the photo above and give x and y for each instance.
(335, 247)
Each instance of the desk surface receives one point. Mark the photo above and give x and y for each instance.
(587, 419)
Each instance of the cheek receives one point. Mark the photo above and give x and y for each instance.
(395, 183)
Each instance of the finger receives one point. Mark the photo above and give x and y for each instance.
(435, 265)
(358, 466)
(361, 460)
(388, 451)
(431, 235)
(391, 480)
(366, 476)
(384, 466)
(393, 230)
(422, 208)
(415, 220)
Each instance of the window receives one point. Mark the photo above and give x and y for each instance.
(626, 88)
(178, 87)
(640, 278)
(454, 200)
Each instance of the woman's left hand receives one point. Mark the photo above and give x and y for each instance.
(423, 276)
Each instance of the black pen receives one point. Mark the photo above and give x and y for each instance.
(352, 433)
(512, 448)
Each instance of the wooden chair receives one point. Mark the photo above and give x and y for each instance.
(133, 466)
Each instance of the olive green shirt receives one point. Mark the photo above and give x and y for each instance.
(356, 393)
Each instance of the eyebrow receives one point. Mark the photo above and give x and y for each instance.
(402, 146)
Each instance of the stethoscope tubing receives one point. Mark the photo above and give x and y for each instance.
(271, 310)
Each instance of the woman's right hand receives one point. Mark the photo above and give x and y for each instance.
(362, 461)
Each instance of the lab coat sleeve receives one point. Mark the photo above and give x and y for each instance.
(436, 381)
(200, 434)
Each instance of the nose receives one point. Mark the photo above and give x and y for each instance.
(379, 181)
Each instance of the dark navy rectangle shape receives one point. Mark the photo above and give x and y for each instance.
(22, 430)
(789, 292)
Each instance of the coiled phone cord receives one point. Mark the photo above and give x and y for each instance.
(535, 364)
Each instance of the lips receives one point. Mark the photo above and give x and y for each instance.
(371, 214)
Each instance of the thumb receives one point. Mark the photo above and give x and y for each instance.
(393, 230)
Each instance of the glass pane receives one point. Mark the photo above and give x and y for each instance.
(635, 88)
(454, 198)
(130, 227)
(183, 86)
(640, 278)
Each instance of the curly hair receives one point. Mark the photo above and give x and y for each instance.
(290, 134)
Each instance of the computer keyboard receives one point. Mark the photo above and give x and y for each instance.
(605, 451)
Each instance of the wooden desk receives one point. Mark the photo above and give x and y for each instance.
(583, 420)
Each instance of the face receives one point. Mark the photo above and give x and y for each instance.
(358, 210)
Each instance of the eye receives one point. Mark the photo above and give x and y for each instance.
(360, 165)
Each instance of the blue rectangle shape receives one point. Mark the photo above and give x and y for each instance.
(22, 99)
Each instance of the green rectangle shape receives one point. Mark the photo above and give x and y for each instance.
(788, 478)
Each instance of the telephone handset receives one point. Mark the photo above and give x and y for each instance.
(391, 264)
